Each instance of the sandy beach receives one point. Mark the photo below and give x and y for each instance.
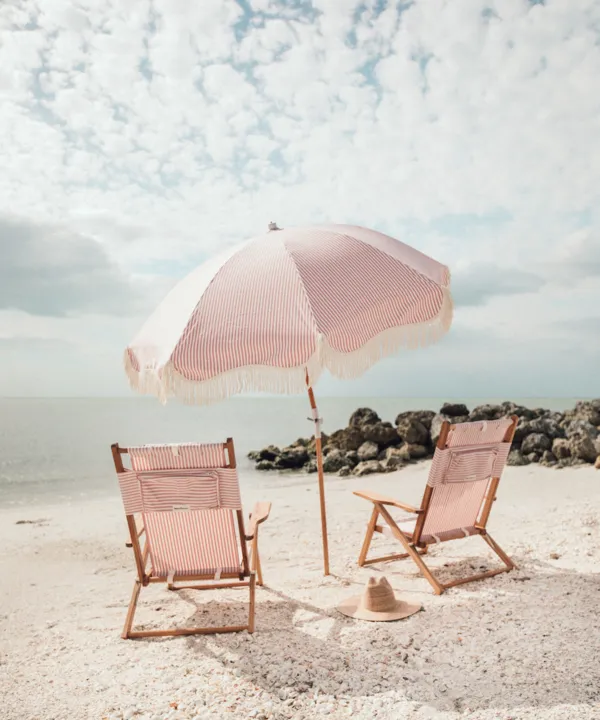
(522, 646)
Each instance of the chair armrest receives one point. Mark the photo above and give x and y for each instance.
(383, 500)
(257, 516)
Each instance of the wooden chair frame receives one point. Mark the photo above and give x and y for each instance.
(249, 575)
(415, 547)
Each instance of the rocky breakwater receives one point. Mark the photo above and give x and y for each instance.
(370, 445)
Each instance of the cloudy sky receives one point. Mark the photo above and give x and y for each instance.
(138, 137)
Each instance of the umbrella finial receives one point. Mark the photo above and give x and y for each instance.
(273, 226)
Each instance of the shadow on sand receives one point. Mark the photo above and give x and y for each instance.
(528, 639)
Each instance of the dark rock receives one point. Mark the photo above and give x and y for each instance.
(350, 438)
(487, 412)
(516, 457)
(265, 465)
(597, 463)
(578, 428)
(560, 439)
(522, 430)
(344, 471)
(554, 415)
(436, 427)
(561, 448)
(393, 463)
(416, 451)
(564, 463)
(383, 434)
(397, 455)
(454, 410)
(583, 448)
(511, 408)
(588, 410)
(300, 442)
(548, 426)
(400, 452)
(368, 451)
(364, 416)
(423, 416)
(311, 444)
(548, 458)
(292, 458)
(269, 453)
(367, 468)
(352, 458)
(535, 443)
(582, 437)
(413, 431)
(334, 461)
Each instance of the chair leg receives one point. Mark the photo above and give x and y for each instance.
(255, 565)
(131, 610)
(509, 565)
(438, 588)
(499, 552)
(368, 537)
(390, 558)
(252, 608)
(128, 633)
(259, 577)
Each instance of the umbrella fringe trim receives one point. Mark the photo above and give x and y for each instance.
(168, 383)
(351, 365)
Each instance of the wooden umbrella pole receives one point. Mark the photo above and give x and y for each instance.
(319, 452)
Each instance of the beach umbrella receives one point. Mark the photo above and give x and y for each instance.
(274, 312)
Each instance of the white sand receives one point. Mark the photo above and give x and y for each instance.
(524, 645)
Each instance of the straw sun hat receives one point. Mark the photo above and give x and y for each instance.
(378, 603)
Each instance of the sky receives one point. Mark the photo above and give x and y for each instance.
(139, 137)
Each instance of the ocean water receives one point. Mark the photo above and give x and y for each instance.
(58, 450)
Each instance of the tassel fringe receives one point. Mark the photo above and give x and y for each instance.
(168, 383)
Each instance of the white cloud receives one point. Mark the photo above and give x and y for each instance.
(51, 272)
(163, 130)
(579, 257)
(474, 284)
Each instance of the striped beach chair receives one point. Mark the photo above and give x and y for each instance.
(462, 484)
(183, 502)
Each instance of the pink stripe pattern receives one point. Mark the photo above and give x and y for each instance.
(460, 476)
(160, 490)
(193, 543)
(131, 492)
(187, 496)
(468, 463)
(178, 457)
(481, 432)
(337, 297)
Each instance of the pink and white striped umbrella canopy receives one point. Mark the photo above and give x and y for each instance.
(262, 315)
